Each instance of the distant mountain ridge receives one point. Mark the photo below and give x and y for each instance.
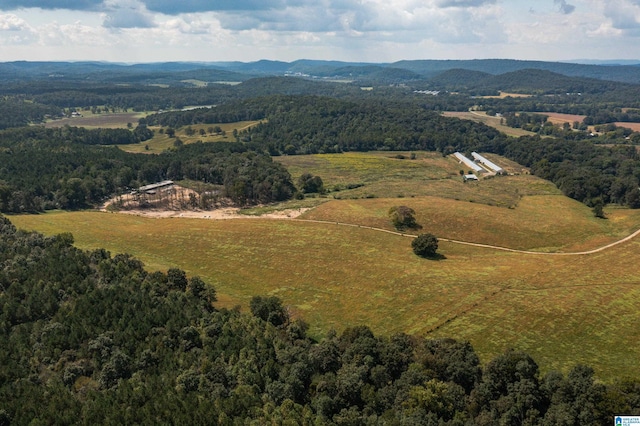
(530, 81)
(401, 71)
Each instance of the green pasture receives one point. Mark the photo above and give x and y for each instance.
(563, 310)
(382, 175)
(544, 223)
(161, 141)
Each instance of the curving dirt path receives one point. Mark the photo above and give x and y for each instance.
(292, 214)
(489, 246)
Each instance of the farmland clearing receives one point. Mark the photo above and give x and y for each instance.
(162, 141)
(563, 310)
(493, 121)
(94, 121)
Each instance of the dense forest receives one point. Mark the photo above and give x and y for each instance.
(18, 113)
(314, 124)
(90, 338)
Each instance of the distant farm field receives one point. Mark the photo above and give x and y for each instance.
(383, 175)
(559, 118)
(503, 95)
(161, 141)
(105, 120)
(633, 126)
(334, 271)
(495, 122)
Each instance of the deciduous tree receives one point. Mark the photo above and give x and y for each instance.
(425, 245)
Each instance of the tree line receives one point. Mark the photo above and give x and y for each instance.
(15, 112)
(87, 338)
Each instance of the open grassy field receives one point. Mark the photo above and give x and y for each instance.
(559, 118)
(161, 142)
(382, 175)
(563, 310)
(481, 117)
(104, 120)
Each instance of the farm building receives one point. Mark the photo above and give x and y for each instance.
(480, 159)
(154, 194)
(151, 189)
(469, 177)
(463, 159)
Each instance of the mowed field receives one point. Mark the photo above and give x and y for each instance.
(495, 122)
(560, 118)
(563, 310)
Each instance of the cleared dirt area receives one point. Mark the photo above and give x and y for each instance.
(559, 118)
(633, 126)
(503, 95)
(178, 201)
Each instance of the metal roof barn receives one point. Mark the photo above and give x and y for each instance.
(154, 186)
(487, 163)
(473, 166)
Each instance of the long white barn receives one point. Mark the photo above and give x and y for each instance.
(480, 159)
(473, 166)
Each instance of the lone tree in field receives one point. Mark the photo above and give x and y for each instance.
(309, 183)
(425, 245)
(402, 217)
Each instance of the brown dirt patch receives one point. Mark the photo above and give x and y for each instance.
(633, 126)
(560, 118)
(176, 201)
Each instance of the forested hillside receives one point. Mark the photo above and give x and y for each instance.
(314, 124)
(91, 338)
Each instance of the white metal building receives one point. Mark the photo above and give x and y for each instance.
(473, 166)
(480, 159)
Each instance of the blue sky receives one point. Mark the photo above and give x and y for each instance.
(348, 30)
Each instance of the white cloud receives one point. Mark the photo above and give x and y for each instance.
(464, 3)
(374, 30)
(10, 22)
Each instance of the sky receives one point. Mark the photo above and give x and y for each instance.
(136, 31)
